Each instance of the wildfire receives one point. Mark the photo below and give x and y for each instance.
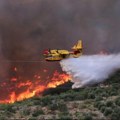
(55, 82)
(28, 88)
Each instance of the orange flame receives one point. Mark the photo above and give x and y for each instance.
(33, 88)
(63, 78)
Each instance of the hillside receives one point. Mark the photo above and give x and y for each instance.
(97, 102)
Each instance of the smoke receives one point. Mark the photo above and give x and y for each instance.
(27, 27)
(91, 69)
(4, 65)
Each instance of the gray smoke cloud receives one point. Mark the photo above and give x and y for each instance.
(4, 66)
(91, 69)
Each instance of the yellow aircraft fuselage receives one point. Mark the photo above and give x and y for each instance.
(57, 55)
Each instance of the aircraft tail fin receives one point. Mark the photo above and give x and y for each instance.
(78, 46)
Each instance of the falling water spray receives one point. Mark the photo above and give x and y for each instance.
(91, 69)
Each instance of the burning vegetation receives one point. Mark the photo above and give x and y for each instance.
(17, 88)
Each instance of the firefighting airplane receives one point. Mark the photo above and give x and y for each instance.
(57, 55)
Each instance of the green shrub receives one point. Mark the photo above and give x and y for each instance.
(98, 91)
(117, 110)
(68, 96)
(3, 118)
(53, 106)
(26, 112)
(78, 115)
(113, 93)
(32, 118)
(6, 114)
(81, 96)
(101, 105)
(102, 109)
(114, 116)
(117, 101)
(37, 113)
(98, 98)
(97, 103)
(37, 102)
(62, 106)
(109, 103)
(36, 98)
(8, 108)
(116, 86)
(65, 116)
(87, 117)
(46, 100)
(107, 111)
(104, 94)
(91, 96)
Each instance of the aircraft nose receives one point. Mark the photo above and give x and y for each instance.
(45, 52)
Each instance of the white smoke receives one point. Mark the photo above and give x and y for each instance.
(91, 69)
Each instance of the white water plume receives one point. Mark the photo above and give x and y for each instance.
(90, 69)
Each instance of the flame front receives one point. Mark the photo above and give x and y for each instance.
(58, 79)
(28, 89)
